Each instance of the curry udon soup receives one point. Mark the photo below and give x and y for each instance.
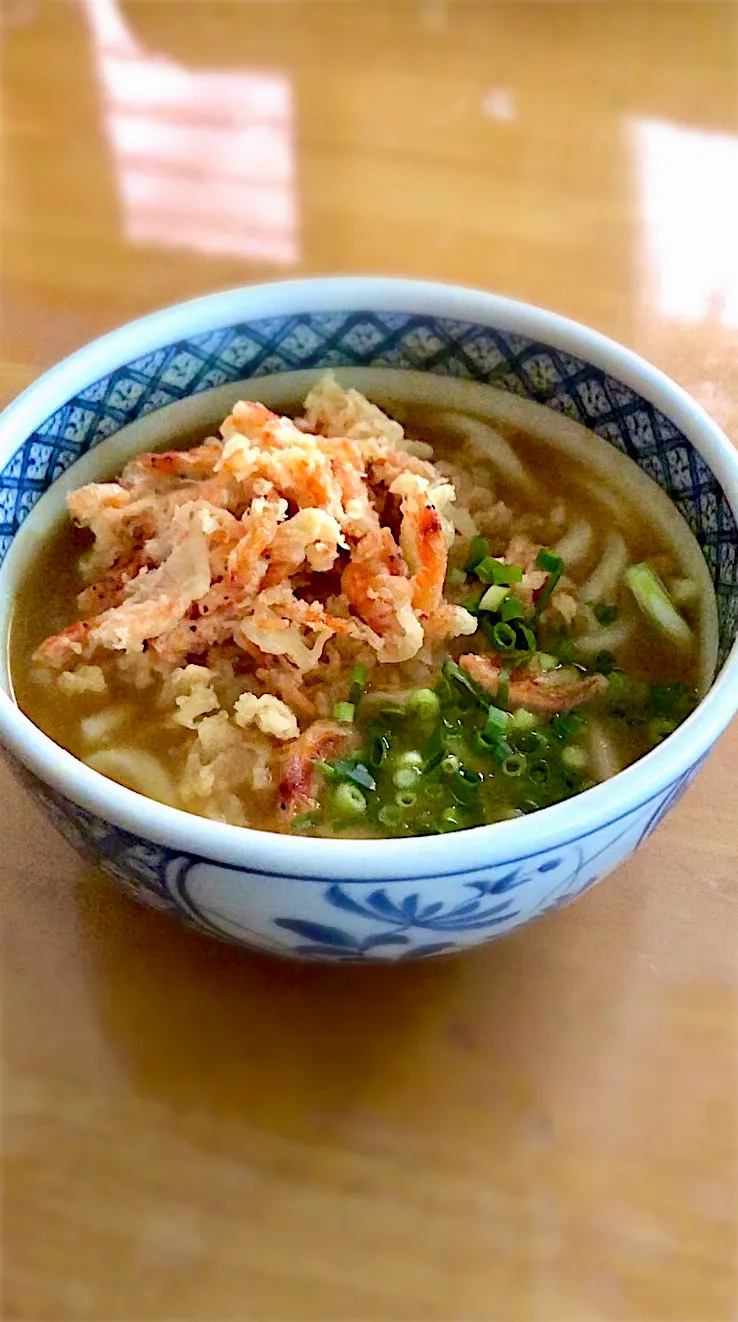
(355, 622)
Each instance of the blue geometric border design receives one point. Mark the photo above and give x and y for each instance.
(442, 346)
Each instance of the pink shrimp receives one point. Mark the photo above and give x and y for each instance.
(424, 545)
(375, 581)
(311, 536)
(214, 617)
(64, 649)
(299, 780)
(386, 465)
(548, 692)
(278, 608)
(173, 465)
(110, 588)
(359, 514)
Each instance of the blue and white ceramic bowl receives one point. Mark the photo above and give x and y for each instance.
(375, 900)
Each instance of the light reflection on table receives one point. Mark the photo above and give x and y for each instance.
(203, 159)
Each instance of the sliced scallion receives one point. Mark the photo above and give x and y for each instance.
(478, 549)
(493, 598)
(550, 561)
(455, 577)
(390, 815)
(659, 727)
(525, 639)
(354, 773)
(452, 671)
(303, 822)
(546, 661)
(554, 566)
(348, 800)
(344, 712)
(426, 704)
(505, 637)
(503, 686)
(655, 603)
(511, 608)
(358, 683)
(406, 776)
(491, 570)
(496, 723)
(574, 757)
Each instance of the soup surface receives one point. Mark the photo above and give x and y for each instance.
(360, 624)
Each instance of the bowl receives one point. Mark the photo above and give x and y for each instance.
(350, 900)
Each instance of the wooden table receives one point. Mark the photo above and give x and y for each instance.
(547, 1129)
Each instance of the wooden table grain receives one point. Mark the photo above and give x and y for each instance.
(545, 1130)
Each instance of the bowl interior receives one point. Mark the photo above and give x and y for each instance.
(433, 344)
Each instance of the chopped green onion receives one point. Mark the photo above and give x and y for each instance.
(546, 661)
(574, 757)
(525, 638)
(406, 776)
(453, 671)
(524, 719)
(512, 608)
(455, 577)
(493, 598)
(604, 662)
(530, 741)
(378, 750)
(514, 765)
(406, 799)
(304, 821)
(656, 605)
(355, 773)
(487, 626)
(564, 648)
(472, 603)
(496, 723)
(426, 704)
(548, 560)
(412, 758)
(483, 744)
(618, 687)
(450, 764)
(348, 800)
(565, 725)
(495, 571)
(659, 728)
(554, 566)
(344, 712)
(478, 549)
(539, 773)
(501, 750)
(503, 685)
(390, 816)
(358, 683)
(605, 613)
(504, 636)
(392, 709)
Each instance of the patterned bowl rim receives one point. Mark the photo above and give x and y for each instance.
(389, 860)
